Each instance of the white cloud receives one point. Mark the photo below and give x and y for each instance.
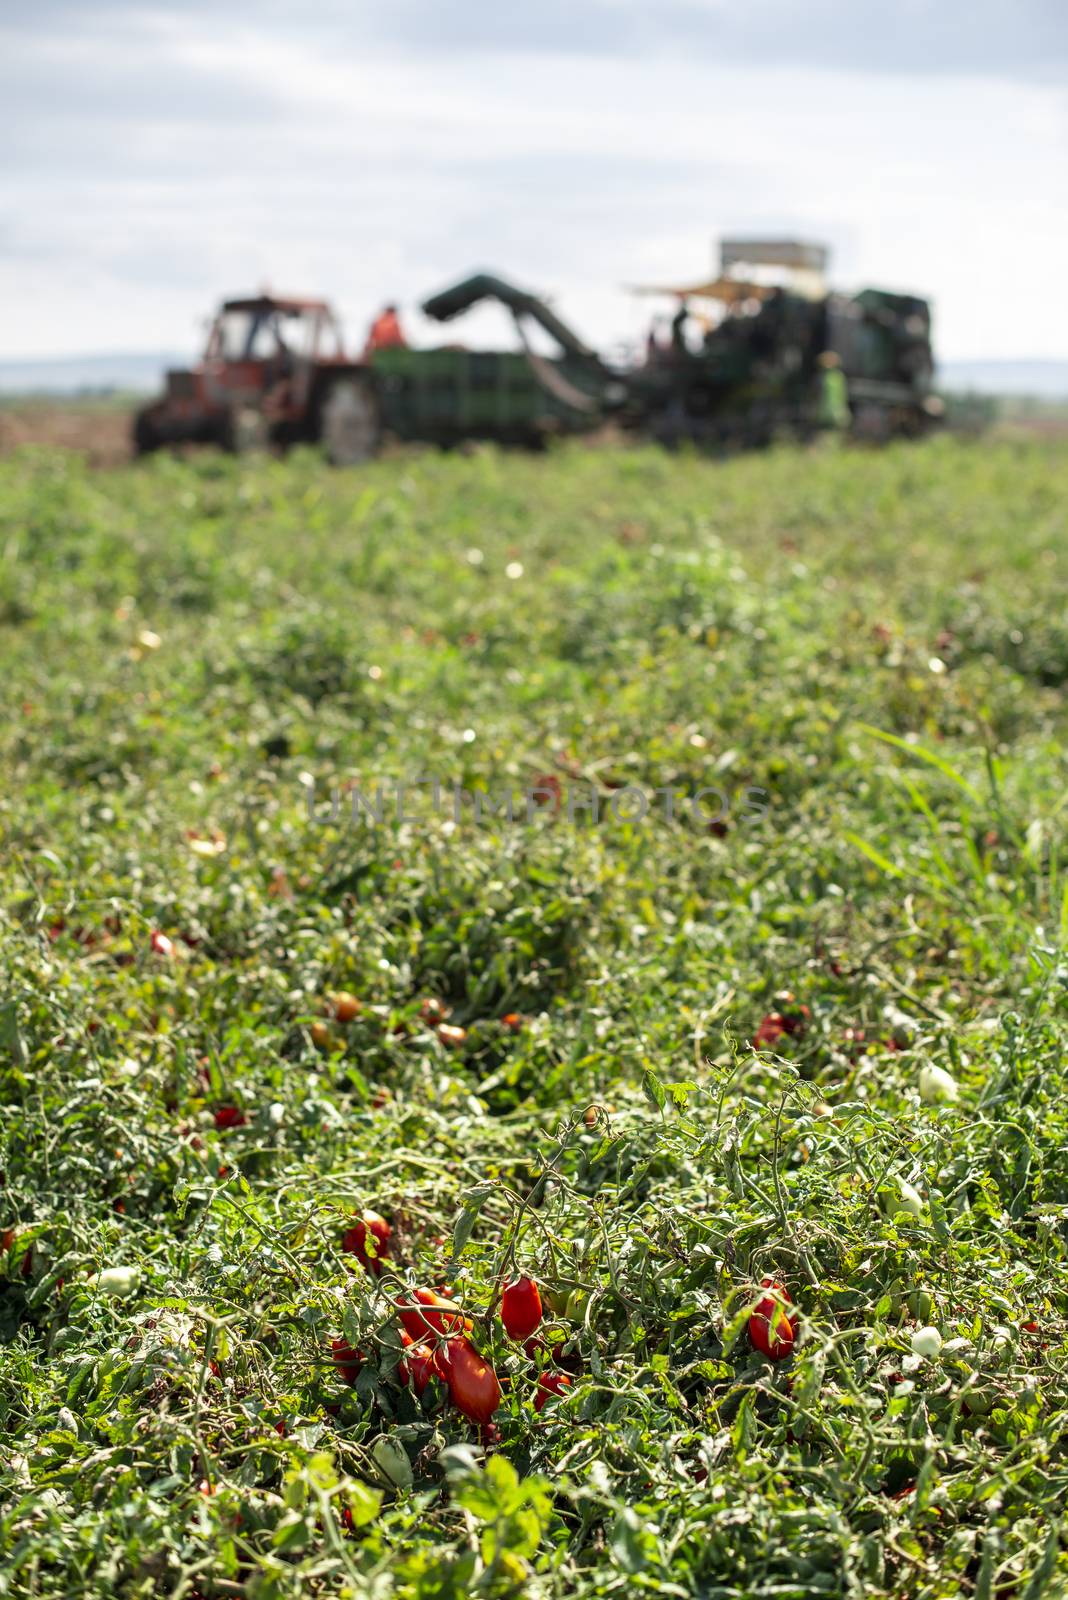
(160, 162)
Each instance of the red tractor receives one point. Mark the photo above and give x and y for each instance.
(274, 373)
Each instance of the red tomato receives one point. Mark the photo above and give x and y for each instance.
(8, 1239)
(423, 1312)
(433, 1011)
(521, 1308)
(453, 1037)
(368, 1241)
(512, 1020)
(347, 1360)
(796, 1021)
(550, 1386)
(772, 1329)
(344, 1005)
(321, 1036)
(770, 1031)
(418, 1364)
(160, 944)
(777, 1023)
(423, 1364)
(546, 790)
(230, 1117)
(473, 1386)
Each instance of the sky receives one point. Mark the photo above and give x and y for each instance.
(156, 157)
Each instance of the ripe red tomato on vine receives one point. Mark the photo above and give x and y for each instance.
(369, 1240)
(521, 1310)
(551, 1385)
(347, 1360)
(772, 1323)
(424, 1312)
(473, 1386)
(230, 1117)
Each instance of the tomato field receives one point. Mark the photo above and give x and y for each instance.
(719, 1090)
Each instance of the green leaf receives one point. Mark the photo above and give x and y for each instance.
(10, 1037)
(292, 1532)
(630, 1543)
(363, 1502)
(465, 1223)
(654, 1089)
(919, 753)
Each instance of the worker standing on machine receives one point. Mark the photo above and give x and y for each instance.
(386, 332)
(678, 329)
(834, 414)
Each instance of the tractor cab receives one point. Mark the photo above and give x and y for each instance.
(257, 330)
(256, 344)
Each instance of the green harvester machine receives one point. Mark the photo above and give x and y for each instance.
(745, 364)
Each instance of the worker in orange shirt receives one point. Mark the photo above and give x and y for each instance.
(386, 332)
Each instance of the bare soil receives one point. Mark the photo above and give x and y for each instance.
(99, 429)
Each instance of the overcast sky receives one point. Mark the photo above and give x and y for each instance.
(156, 157)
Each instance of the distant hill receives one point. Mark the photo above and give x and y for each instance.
(56, 375)
(1046, 380)
(141, 373)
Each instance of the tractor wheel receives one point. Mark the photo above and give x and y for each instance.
(245, 431)
(349, 424)
(145, 433)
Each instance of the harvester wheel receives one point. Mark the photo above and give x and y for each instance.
(349, 424)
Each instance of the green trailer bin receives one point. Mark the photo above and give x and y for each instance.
(448, 395)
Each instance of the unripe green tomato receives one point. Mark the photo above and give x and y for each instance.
(927, 1343)
(937, 1086)
(907, 1199)
(980, 1400)
(118, 1282)
(921, 1305)
(577, 1301)
(391, 1459)
(557, 1300)
(895, 1293)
